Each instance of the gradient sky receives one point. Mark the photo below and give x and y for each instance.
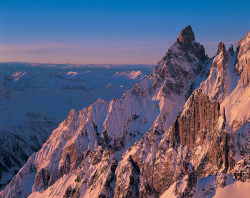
(113, 32)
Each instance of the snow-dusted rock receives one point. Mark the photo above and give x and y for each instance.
(172, 134)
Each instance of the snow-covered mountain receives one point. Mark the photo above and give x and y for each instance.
(183, 131)
(32, 104)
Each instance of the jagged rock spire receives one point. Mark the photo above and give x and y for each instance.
(186, 36)
(221, 48)
(231, 50)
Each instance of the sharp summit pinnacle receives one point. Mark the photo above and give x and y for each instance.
(186, 36)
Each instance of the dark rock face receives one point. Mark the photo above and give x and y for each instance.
(72, 193)
(198, 126)
(42, 179)
(186, 36)
(221, 66)
(132, 187)
(231, 50)
(201, 116)
(186, 141)
(70, 159)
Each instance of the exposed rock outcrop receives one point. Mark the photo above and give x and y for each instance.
(186, 36)
(243, 66)
(184, 148)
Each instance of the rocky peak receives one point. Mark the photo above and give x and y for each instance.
(186, 36)
(185, 55)
(231, 50)
(184, 60)
(221, 48)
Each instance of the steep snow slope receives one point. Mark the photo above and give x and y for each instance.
(228, 82)
(161, 138)
(238, 189)
(223, 77)
(237, 105)
(32, 104)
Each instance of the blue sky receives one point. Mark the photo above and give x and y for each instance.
(113, 32)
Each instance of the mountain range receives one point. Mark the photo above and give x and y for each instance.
(182, 131)
(33, 102)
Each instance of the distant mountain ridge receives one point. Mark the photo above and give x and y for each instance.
(33, 103)
(183, 131)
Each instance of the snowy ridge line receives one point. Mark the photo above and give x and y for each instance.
(33, 103)
(164, 137)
